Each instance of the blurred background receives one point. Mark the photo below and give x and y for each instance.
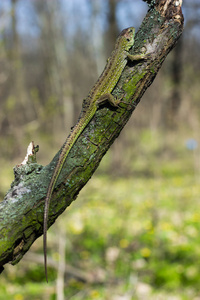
(133, 232)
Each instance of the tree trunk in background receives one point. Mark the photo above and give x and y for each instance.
(54, 60)
(16, 102)
(113, 30)
(174, 102)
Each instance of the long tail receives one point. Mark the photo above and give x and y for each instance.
(77, 130)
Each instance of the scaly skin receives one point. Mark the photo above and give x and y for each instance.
(98, 94)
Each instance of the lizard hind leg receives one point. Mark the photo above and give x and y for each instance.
(108, 98)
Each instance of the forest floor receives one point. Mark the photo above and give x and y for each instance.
(130, 236)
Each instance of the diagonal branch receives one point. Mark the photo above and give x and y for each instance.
(21, 212)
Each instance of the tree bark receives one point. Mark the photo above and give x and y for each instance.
(21, 212)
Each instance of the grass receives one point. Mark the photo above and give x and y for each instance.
(138, 234)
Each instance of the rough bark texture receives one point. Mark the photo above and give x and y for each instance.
(21, 212)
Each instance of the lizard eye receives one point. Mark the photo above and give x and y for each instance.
(128, 40)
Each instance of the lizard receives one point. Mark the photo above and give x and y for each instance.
(100, 93)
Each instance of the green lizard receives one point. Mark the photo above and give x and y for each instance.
(100, 92)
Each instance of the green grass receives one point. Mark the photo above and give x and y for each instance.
(138, 234)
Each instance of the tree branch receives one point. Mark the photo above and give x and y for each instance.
(21, 212)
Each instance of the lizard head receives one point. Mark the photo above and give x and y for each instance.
(126, 38)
